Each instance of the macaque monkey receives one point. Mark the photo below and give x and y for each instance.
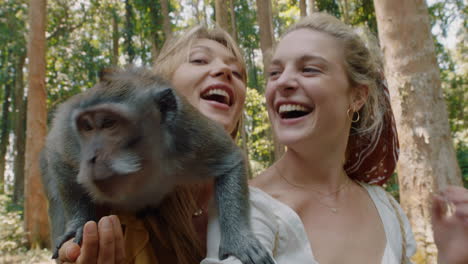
(126, 143)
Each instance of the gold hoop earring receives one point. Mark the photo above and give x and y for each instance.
(351, 118)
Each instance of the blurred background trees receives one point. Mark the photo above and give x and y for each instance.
(82, 37)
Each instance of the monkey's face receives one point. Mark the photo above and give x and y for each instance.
(115, 158)
(211, 80)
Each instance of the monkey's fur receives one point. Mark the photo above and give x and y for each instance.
(127, 142)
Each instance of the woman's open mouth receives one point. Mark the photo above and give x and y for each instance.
(218, 93)
(290, 111)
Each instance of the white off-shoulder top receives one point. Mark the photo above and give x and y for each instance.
(280, 230)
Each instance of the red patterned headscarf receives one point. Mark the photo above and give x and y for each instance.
(372, 157)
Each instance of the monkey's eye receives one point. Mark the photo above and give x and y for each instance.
(84, 124)
(108, 123)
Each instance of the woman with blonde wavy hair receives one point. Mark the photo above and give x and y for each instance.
(320, 203)
(205, 66)
(328, 103)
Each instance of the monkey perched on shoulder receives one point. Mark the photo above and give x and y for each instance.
(127, 142)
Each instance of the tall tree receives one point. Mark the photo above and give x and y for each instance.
(345, 10)
(115, 36)
(166, 19)
(20, 131)
(265, 23)
(311, 6)
(303, 8)
(427, 158)
(129, 31)
(223, 14)
(232, 14)
(267, 38)
(35, 208)
(4, 130)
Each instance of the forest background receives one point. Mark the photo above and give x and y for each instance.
(82, 37)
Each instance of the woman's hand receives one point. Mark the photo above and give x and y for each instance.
(451, 229)
(102, 244)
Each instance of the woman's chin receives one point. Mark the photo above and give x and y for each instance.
(292, 138)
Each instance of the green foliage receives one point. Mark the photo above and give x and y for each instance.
(149, 25)
(257, 125)
(392, 187)
(13, 15)
(79, 47)
(129, 31)
(362, 13)
(462, 156)
(285, 12)
(454, 73)
(248, 33)
(80, 42)
(330, 6)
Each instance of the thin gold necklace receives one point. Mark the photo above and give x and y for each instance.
(333, 209)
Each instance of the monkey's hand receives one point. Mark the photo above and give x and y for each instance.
(74, 229)
(246, 248)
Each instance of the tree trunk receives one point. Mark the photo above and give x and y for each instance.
(195, 4)
(35, 208)
(166, 19)
(427, 157)
(345, 7)
(222, 15)
(311, 6)
(20, 132)
(232, 13)
(267, 38)
(265, 22)
(303, 8)
(115, 38)
(4, 132)
(206, 4)
(129, 32)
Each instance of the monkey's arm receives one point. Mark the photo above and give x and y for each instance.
(77, 206)
(55, 207)
(232, 199)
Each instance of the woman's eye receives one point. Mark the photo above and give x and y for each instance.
(237, 74)
(311, 70)
(198, 61)
(273, 73)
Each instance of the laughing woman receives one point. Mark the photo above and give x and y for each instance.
(207, 68)
(328, 103)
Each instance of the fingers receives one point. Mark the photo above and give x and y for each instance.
(119, 240)
(439, 208)
(103, 243)
(106, 241)
(69, 252)
(457, 197)
(90, 246)
(456, 194)
(461, 211)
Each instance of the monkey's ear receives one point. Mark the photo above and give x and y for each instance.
(105, 73)
(166, 101)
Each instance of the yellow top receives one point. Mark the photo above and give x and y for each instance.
(138, 248)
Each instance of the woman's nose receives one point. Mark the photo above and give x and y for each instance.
(221, 69)
(287, 82)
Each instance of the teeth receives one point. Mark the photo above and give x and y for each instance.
(218, 92)
(292, 107)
